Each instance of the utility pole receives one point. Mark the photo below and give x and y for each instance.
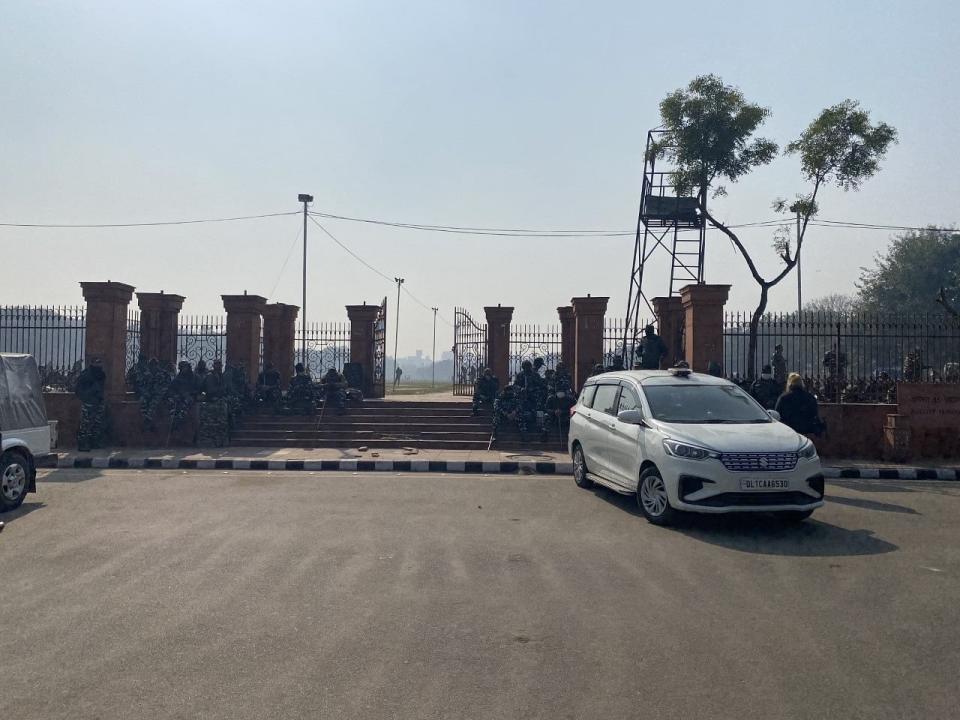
(396, 329)
(799, 275)
(305, 199)
(433, 353)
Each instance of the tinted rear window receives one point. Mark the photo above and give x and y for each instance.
(606, 399)
(586, 396)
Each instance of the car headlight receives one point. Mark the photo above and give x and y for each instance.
(808, 450)
(688, 452)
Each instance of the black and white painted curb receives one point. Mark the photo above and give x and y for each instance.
(524, 467)
(527, 467)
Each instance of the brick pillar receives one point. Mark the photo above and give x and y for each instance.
(669, 312)
(362, 318)
(243, 332)
(588, 315)
(498, 341)
(159, 317)
(567, 336)
(703, 324)
(106, 334)
(279, 335)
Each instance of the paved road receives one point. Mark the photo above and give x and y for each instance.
(253, 595)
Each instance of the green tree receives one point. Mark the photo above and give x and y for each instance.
(917, 271)
(709, 128)
(834, 303)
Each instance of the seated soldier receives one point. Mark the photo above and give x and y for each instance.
(300, 398)
(485, 390)
(268, 385)
(507, 408)
(560, 398)
(333, 387)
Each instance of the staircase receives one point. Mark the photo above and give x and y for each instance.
(386, 424)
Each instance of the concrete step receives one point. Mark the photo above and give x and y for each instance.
(371, 443)
(334, 420)
(244, 437)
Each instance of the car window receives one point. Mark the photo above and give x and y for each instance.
(700, 404)
(628, 400)
(606, 399)
(586, 395)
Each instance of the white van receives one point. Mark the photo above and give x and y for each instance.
(24, 431)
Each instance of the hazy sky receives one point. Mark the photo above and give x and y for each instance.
(507, 114)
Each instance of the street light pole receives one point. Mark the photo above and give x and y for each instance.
(396, 329)
(305, 199)
(799, 274)
(433, 353)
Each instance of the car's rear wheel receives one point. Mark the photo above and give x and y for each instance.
(794, 516)
(653, 500)
(14, 480)
(580, 468)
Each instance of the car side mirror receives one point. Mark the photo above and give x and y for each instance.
(774, 414)
(632, 417)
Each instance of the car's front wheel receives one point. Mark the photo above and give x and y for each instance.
(652, 498)
(14, 480)
(580, 468)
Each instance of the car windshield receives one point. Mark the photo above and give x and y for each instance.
(703, 404)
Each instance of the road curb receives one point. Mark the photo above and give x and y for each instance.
(521, 467)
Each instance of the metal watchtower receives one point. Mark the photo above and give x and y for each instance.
(669, 221)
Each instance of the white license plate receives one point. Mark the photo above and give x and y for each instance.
(764, 484)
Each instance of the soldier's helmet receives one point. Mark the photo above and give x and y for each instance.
(648, 329)
(538, 362)
(598, 368)
(298, 368)
(526, 365)
(487, 372)
(561, 366)
(508, 390)
(96, 361)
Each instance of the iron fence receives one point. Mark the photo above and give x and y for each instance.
(54, 335)
(853, 357)
(201, 337)
(133, 338)
(619, 342)
(528, 342)
(327, 345)
(469, 351)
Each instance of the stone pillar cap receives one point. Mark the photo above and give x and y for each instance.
(589, 305)
(159, 301)
(709, 294)
(109, 291)
(360, 310)
(501, 310)
(243, 303)
(280, 310)
(565, 311)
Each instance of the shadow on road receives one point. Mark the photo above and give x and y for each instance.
(872, 505)
(28, 507)
(765, 534)
(68, 475)
(768, 535)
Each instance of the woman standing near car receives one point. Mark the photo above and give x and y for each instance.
(798, 408)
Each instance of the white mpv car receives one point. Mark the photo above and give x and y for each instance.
(683, 441)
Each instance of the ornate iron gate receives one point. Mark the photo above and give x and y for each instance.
(469, 351)
(380, 352)
(528, 342)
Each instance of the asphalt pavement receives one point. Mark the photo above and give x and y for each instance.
(184, 594)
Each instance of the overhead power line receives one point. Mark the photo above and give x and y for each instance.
(371, 267)
(146, 224)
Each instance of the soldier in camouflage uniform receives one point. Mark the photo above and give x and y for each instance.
(779, 364)
(93, 410)
(181, 394)
(532, 396)
(507, 408)
(153, 390)
(268, 385)
(137, 375)
(333, 387)
(235, 382)
(213, 414)
(912, 366)
(652, 349)
(485, 390)
(300, 396)
(560, 398)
